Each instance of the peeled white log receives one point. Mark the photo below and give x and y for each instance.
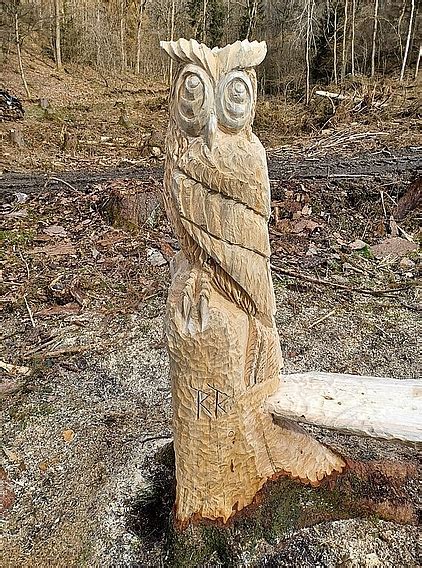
(329, 95)
(379, 407)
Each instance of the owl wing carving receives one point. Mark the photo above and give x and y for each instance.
(224, 207)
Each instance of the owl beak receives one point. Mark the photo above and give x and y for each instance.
(210, 130)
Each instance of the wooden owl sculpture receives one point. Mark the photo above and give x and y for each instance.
(225, 357)
(216, 185)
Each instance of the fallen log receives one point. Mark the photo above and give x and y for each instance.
(378, 407)
(337, 96)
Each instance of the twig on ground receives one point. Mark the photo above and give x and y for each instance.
(405, 235)
(321, 319)
(413, 307)
(65, 351)
(31, 317)
(152, 438)
(24, 261)
(14, 369)
(383, 206)
(382, 330)
(59, 180)
(53, 341)
(299, 276)
(348, 176)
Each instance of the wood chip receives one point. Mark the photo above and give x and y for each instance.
(66, 310)
(14, 369)
(55, 250)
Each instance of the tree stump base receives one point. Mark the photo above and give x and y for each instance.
(377, 490)
(227, 445)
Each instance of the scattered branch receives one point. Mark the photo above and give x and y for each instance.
(351, 289)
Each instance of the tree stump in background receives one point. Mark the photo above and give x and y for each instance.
(70, 140)
(16, 137)
(130, 205)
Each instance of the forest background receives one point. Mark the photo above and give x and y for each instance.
(309, 41)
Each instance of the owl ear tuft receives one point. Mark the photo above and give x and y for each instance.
(241, 55)
(190, 51)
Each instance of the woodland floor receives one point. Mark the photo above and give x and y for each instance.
(82, 307)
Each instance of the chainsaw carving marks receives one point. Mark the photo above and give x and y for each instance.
(224, 350)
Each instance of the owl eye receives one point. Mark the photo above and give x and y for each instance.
(194, 92)
(234, 100)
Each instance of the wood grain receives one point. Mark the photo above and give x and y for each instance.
(223, 345)
(379, 407)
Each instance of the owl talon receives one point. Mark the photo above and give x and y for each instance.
(187, 306)
(204, 296)
(189, 296)
(203, 312)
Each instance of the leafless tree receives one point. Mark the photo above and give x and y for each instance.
(344, 48)
(374, 37)
(352, 40)
(57, 36)
(19, 52)
(409, 36)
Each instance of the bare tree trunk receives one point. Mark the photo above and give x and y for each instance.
(309, 9)
(18, 48)
(172, 17)
(343, 51)
(374, 37)
(418, 61)
(409, 36)
(402, 13)
(122, 35)
(352, 46)
(227, 24)
(252, 17)
(57, 36)
(335, 47)
(139, 36)
(204, 22)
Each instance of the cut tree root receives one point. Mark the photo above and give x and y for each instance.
(372, 488)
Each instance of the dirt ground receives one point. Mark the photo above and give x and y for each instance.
(82, 306)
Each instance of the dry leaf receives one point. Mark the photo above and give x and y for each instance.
(55, 250)
(43, 466)
(55, 231)
(305, 225)
(68, 435)
(111, 238)
(167, 250)
(358, 244)
(17, 214)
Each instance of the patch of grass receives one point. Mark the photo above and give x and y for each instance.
(17, 236)
(365, 252)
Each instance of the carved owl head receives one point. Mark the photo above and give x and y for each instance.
(214, 89)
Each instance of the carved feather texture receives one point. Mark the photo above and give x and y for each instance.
(217, 196)
(238, 169)
(239, 55)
